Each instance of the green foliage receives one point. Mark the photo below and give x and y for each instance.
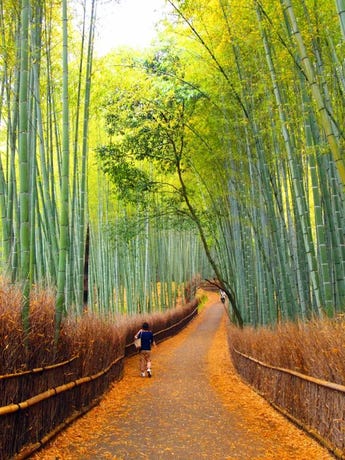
(231, 125)
(131, 181)
(148, 125)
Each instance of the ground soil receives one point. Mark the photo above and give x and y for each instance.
(194, 407)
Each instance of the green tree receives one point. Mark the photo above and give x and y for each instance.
(151, 145)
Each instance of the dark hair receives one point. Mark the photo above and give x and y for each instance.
(145, 326)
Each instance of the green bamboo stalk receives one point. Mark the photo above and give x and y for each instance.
(323, 248)
(300, 201)
(23, 150)
(6, 227)
(341, 12)
(326, 122)
(64, 197)
(83, 185)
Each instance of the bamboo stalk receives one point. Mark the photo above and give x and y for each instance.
(23, 151)
(336, 150)
(64, 243)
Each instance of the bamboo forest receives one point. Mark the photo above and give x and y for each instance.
(137, 184)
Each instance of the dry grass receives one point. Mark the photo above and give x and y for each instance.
(11, 331)
(314, 348)
(282, 440)
(97, 341)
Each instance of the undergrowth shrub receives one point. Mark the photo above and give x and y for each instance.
(191, 288)
(315, 348)
(41, 350)
(96, 341)
(12, 349)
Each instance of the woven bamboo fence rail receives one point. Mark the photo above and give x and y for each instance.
(315, 405)
(45, 400)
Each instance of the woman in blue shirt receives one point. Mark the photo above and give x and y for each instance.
(147, 341)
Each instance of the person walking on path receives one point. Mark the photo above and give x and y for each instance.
(147, 340)
(222, 295)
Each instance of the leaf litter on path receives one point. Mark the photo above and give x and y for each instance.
(284, 441)
(85, 437)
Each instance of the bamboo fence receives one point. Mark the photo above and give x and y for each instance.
(45, 400)
(315, 405)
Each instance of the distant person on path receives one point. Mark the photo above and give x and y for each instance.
(147, 341)
(222, 295)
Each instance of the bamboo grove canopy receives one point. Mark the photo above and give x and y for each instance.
(218, 151)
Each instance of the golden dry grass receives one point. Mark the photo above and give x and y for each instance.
(315, 348)
(255, 414)
(283, 440)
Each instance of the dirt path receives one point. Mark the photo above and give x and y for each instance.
(194, 407)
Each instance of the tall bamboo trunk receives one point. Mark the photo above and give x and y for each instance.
(64, 194)
(23, 153)
(326, 122)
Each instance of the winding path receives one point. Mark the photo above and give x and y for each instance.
(192, 408)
